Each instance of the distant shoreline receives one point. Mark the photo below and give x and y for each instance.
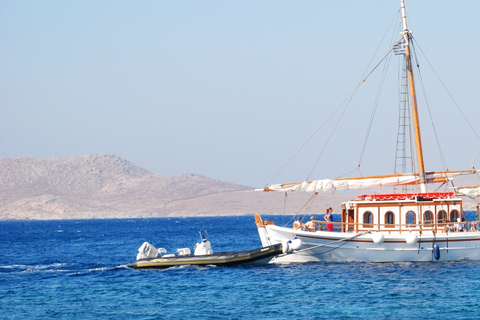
(132, 217)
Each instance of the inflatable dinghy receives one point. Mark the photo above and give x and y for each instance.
(150, 257)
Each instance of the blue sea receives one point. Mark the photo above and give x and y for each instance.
(77, 269)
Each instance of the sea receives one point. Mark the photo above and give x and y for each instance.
(77, 269)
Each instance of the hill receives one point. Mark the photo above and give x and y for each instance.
(107, 186)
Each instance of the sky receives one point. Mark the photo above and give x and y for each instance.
(226, 89)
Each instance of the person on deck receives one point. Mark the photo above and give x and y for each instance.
(458, 226)
(312, 225)
(328, 218)
(298, 224)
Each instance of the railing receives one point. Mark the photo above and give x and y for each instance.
(438, 227)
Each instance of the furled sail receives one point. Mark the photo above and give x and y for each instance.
(369, 182)
(468, 191)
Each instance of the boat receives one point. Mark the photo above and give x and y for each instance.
(149, 257)
(420, 218)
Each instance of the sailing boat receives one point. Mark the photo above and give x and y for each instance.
(391, 227)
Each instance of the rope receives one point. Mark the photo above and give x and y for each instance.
(285, 207)
(375, 105)
(328, 243)
(322, 245)
(456, 104)
(434, 127)
(309, 201)
(345, 102)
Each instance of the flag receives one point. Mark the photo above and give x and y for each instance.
(400, 47)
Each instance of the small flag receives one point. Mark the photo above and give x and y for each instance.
(400, 47)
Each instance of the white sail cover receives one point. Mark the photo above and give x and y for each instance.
(324, 185)
(468, 192)
(344, 184)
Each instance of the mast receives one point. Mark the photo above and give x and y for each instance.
(418, 141)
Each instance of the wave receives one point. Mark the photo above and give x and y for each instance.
(58, 267)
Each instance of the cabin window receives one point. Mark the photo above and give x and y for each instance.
(389, 219)
(428, 217)
(410, 219)
(442, 216)
(454, 215)
(368, 220)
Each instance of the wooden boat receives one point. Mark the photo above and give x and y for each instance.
(415, 225)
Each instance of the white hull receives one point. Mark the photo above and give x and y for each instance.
(360, 247)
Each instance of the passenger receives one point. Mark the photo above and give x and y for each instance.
(458, 225)
(450, 228)
(298, 224)
(328, 217)
(312, 225)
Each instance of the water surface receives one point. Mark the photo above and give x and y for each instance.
(77, 270)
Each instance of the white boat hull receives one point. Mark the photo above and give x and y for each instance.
(360, 247)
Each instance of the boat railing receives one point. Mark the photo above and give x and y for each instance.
(430, 226)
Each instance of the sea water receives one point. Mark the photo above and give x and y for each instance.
(77, 269)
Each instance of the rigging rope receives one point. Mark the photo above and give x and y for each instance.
(420, 77)
(309, 201)
(364, 78)
(335, 241)
(348, 98)
(375, 106)
(346, 107)
(458, 108)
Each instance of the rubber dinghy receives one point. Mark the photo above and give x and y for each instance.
(150, 257)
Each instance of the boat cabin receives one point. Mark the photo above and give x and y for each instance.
(397, 213)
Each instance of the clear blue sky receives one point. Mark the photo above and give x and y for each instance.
(226, 89)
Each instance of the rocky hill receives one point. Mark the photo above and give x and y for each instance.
(106, 186)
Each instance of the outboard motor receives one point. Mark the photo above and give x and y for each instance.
(146, 251)
(204, 247)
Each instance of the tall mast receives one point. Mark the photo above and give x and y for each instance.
(418, 141)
